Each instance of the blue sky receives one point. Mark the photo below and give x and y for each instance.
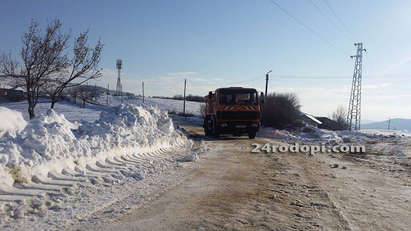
(218, 43)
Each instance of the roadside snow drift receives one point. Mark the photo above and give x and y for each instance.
(382, 142)
(51, 143)
(314, 135)
(11, 121)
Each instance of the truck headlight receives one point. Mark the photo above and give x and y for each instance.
(224, 125)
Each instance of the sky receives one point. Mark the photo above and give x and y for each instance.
(221, 43)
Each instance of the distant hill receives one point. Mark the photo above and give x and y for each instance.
(396, 124)
(367, 121)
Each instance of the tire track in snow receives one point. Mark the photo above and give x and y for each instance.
(57, 183)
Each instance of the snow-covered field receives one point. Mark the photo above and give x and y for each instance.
(70, 111)
(170, 105)
(90, 113)
(176, 105)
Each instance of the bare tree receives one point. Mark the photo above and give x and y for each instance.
(340, 116)
(42, 55)
(85, 94)
(281, 110)
(73, 92)
(83, 66)
(8, 65)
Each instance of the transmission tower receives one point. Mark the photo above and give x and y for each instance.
(354, 108)
(119, 86)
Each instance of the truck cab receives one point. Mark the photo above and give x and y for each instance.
(233, 110)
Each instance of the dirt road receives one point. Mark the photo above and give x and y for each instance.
(230, 188)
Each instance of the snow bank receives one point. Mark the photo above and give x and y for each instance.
(332, 137)
(11, 121)
(51, 143)
(309, 134)
(276, 134)
(383, 142)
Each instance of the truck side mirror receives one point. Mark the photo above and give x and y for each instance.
(262, 98)
(210, 94)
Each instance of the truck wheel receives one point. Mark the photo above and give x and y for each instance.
(216, 133)
(207, 128)
(206, 132)
(252, 135)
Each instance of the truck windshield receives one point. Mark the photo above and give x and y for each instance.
(247, 98)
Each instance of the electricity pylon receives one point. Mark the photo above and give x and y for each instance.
(354, 108)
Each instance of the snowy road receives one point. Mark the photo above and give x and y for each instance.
(231, 188)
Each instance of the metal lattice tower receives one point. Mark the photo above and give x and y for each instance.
(119, 86)
(354, 108)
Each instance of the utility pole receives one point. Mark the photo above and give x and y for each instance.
(143, 90)
(389, 123)
(108, 92)
(184, 105)
(266, 83)
(354, 106)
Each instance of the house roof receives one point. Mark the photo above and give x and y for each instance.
(312, 118)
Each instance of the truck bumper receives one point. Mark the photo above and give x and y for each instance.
(232, 127)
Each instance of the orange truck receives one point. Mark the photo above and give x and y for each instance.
(233, 110)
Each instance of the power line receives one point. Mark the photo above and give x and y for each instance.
(315, 33)
(338, 18)
(330, 20)
(245, 81)
(310, 77)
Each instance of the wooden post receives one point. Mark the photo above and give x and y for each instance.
(143, 90)
(108, 92)
(184, 105)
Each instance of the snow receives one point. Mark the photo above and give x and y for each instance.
(72, 112)
(381, 142)
(313, 118)
(11, 121)
(51, 143)
(57, 138)
(382, 132)
(308, 134)
(100, 145)
(169, 105)
(7, 82)
(176, 105)
(268, 132)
